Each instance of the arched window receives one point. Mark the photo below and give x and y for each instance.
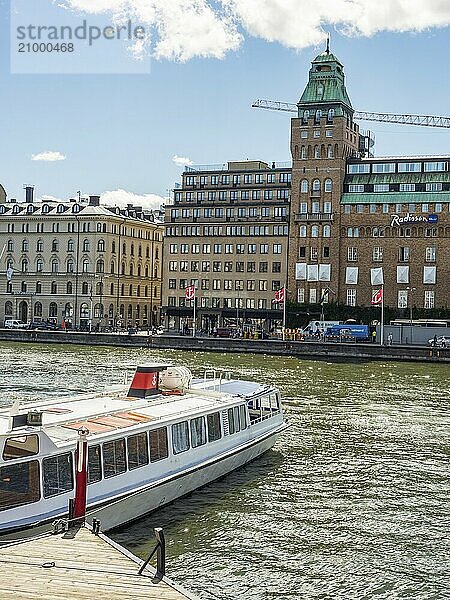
(157, 254)
(30, 209)
(147, 252)
(139, 268)
(122, 311)
(25, 265)
(99, 289)
(316, 186)
(130, 312)
(330, 115)
(138, 291)
(318, 116)
(356, 232)
(69, 288)
(111, 289)
(111, 311)
(146, 271)
(101, 246)
(60, 208)
(37, 309)
(70, 246)
(84, 288)
(123, 268)
(146, 291)
(315, 231)
(302, 231)
(53, 310)
(55, 265)
(131, 269)
(303, 152)
(131, 290)
(138, 312)
(55, 246)
(23, 287)
(304, 186)
(112, 267)
(10, 247)
(327, 231)
(100, 268)
(39, 265)
(76, 208)
(316, 151)
(330, 151)
(124, 249)
(85, 265)
(70, 266)
(98, 311)
(84, 311)
(68, 310)
(328, 185)
(53, 288)
(46, 209)
(145, 312)
(40, 246)
(25, 246)
(155, 273)
(113, 247)
(8, 308)
(305, 117)
(38, 287)
(86, 246)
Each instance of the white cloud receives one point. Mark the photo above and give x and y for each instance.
(182, 161)
(184, 29)
(49, 198)
(49, 156)
(122, 198)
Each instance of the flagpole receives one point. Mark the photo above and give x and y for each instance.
(284, 315)
(193, 326)
(382, 315)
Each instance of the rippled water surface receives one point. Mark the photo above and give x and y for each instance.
(352, 503)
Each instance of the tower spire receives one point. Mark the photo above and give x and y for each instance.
(328, 44)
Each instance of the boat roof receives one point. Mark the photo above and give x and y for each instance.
(107, 412)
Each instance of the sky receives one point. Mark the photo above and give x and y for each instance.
(121, 119)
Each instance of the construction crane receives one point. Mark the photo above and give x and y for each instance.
(422, 120)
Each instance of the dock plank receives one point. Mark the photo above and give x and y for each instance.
(87, 567)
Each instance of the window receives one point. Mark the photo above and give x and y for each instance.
(381, 187)
(180, 437)
(355, 188)
(377, 254)
(415, 167)
(198, 432)
(326, 231)
(430, 254)
(429, 299)
(159, 448)
(312, 295)
(403, 254)
(214, 427)
(316, 186)
(114, 460)
(359, 168)
(19, 484)
(383, 168)
(351, 297)
(137, 451)
(57, 474)
(435, 166)
(402, 300)
(94, 468)
(21, 447)
(433, 187)
(328, 185)
(407, 187)
(304, 186)
(277, 248)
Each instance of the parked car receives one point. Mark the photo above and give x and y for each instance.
(42, 325)
(442, 341)
(15, 324)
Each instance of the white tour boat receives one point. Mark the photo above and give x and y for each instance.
(145, 446)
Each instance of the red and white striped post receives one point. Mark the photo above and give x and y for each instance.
(81, 453)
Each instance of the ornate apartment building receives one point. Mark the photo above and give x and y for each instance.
(227, 234)
(79, 264)
(358, 222)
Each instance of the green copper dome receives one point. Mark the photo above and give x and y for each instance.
(326, 83)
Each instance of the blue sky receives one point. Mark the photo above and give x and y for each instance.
(120, 132)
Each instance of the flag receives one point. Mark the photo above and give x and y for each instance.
(9, 273)
(279, 295)
(325, 295)
(377, 297)
(190, 292)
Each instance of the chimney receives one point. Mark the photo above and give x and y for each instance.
(94, 200)
(29, 194)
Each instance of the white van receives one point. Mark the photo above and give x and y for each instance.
(15, 324)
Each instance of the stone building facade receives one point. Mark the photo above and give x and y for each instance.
(79, 264)
(227, 234)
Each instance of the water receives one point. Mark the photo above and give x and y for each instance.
(352, 503)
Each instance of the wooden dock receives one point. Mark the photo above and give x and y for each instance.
(79, 565)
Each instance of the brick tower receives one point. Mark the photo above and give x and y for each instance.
(323, 135)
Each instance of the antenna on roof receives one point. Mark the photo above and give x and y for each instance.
(328, 44)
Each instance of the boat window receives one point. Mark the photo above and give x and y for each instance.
(243, 416)
(214, 429)
(180, 437)
(114, 461)
(198, 432)
(159, 448)
(231, 427)
(94, 464)
(20, 447)
(274, 401)
(19, 484)
(58, 474)
(137, 450)
(237, 424)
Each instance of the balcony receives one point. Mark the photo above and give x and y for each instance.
(313, 217)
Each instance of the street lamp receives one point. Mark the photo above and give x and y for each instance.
(411, 289)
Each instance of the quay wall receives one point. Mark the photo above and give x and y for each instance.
(311, 350)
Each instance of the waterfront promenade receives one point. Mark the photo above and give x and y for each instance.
(317, 350)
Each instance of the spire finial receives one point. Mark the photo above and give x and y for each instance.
(328, 44)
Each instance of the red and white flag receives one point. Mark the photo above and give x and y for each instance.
(190, 292)
(377, 297)
(279, 295)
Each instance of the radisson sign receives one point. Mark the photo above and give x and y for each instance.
(411, 219)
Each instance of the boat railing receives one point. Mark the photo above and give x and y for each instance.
(264, 417)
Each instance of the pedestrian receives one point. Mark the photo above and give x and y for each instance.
(374, 336)
(435, 340)
(389, 339)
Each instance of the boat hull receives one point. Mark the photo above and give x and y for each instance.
(136, 504)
